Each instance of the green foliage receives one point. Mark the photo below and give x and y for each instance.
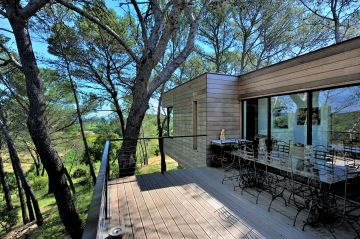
(10, 176)
(105, 130)
(7, 218)
(79, 172)
(39, 183)
(281, 122)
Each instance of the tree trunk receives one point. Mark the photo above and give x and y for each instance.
(22, 202)
(335, 18)
(86, 146)
(127, 155)
(29, 206)
(337, 30)
(72, 187)
(36, 162)
(19, 172)
(160, 131)
(119, 113)
(38, 129)
(50, 185)
(43, 172)
(5, 185)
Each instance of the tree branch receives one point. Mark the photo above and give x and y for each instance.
(102, 25)
(181, 57)
(142, 23)
(315, 11)
(11, 57)
(32, 7)
(25, 108)
(6, 30)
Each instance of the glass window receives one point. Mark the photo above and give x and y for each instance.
(262, 118)
(336, 116)
(255, 118)
(289, 120)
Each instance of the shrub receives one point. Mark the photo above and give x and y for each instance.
(97, 148)
(10, 176)
(7, 218)
(39, 183)
(79, 172)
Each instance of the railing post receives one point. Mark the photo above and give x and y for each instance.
(106, 182)
(162, 155)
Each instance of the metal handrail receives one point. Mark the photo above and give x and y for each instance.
(98, 207)
(164, 137)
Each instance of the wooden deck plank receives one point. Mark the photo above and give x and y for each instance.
(211, 215)
(181, 207)
(161, 204)
(159, 223)
(136, 221)
(146, 219)
(125, 217)
(186, 203)
(256, 218)
(265, 223)
(114, 202)
(211, 206)
(182, 222)
(202, 221)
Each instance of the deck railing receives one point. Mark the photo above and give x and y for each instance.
(98, 211)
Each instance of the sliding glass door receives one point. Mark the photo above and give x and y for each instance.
(318, 118)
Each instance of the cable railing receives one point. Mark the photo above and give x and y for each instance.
(98, 212)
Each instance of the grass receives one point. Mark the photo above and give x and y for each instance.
(154, 165)
(53, 227)
(71, 151)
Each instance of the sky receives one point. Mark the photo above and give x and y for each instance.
(40, 50)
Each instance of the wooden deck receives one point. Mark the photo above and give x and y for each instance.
(192, 203)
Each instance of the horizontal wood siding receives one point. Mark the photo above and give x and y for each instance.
(181, 99)
(223, 107)
(334, 66)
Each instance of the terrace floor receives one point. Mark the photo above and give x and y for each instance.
(192, 203)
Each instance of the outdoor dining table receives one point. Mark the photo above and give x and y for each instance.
(321, 174)
(227, 142)
(221, 146)
(315, 169)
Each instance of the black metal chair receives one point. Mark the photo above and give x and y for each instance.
(229, 164)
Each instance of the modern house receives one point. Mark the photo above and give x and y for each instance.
(313, 99)
(275, 102)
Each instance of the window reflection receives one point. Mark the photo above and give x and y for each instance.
(289, 119)
(339, 116)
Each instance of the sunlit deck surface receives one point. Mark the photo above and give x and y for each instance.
(192, 203)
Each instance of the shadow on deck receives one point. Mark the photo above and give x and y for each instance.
(192, 203)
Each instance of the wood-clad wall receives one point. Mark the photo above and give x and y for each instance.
(329, 67)
(181, 99)
(223, 107)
